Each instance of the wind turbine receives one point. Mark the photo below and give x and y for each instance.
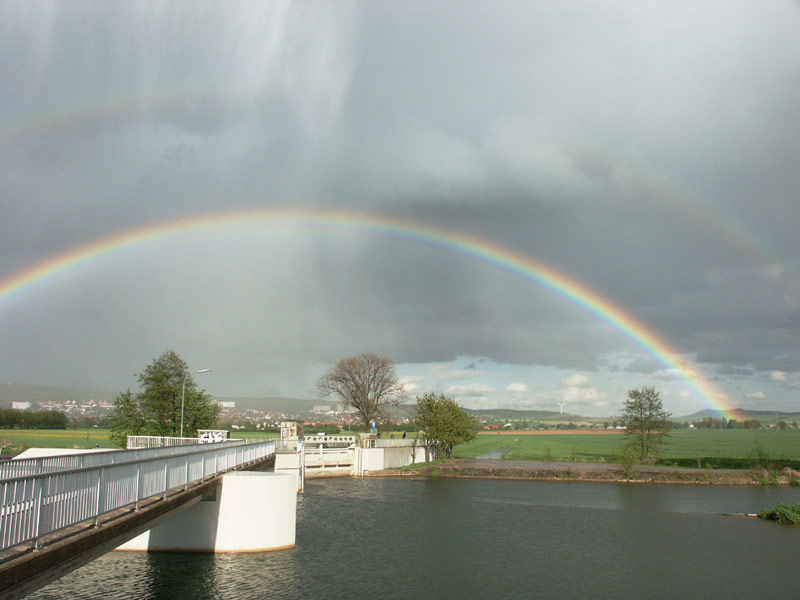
(561, 404)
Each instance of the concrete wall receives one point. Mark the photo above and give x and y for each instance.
(253, 512)
(288, 463)
(327, 462)
(402, 456)
(371, 459)
(316, 457)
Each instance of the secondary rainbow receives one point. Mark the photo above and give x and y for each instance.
(472, 247)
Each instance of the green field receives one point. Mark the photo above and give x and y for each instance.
(255, 435)
(727, 448)
(17, 440)
(733, 448)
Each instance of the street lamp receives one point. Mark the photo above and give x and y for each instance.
(183, 392)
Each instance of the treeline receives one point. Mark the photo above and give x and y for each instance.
(713, 423)
(11, 418)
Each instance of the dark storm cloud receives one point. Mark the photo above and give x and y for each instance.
(646, 151)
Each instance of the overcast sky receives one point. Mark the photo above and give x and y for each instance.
(648, 150)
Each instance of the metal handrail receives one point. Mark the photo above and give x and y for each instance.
(155, 441)
(37, 505)
(23, 467)
(397, 442)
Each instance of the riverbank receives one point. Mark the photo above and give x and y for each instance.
(573, 471)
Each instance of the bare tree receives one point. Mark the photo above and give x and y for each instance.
(366, 382)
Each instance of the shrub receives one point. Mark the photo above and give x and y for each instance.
(760, 458)
(627, 458)
(782, 513)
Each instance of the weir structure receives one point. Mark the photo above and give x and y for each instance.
(60, 512)
(344, 455)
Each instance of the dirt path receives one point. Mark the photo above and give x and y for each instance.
(494, 454)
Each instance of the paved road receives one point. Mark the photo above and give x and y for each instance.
(494, 455)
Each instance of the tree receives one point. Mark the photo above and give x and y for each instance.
(126, 418)
(445, 424)
(11, 418)
(156, 410)
(366, 382)
(646, 422)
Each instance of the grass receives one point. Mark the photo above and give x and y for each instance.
(17, 440)
(713, 448)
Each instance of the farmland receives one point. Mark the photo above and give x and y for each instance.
(733, 447)
(15, 440)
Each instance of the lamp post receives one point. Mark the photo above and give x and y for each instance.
(183, 392)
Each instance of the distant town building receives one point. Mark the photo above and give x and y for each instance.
(20, 405)
(228, 404)
(321, 408)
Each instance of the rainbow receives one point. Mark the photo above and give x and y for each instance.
(504, 259)
(127, 103)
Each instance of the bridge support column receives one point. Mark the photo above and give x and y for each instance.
(253, 512)
(291, 463)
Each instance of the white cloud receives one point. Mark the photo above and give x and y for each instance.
(473, 389)
(411, 378)
(517, 388)
(757, 395)
(578, 395)
(476, 402)
(411, 382)
(411, 388)
(778, 376)
(575, 380)
(461, 375)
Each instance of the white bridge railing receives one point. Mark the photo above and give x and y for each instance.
(36, 505)
(156, 441)
(47, 464)
(329, 441)
(397, 442)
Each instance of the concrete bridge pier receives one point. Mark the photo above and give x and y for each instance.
(290, 462)
(253, 511)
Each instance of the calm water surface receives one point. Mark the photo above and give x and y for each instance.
(459, 538)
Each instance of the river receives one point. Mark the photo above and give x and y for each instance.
(460, 538)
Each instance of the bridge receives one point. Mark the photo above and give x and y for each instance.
(59, 513)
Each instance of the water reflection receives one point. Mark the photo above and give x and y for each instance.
(183, 577)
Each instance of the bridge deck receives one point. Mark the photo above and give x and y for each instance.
(25, 568)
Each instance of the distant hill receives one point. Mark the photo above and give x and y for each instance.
(35, 394)
(740, 413)
(283, 405)
(536, 415)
